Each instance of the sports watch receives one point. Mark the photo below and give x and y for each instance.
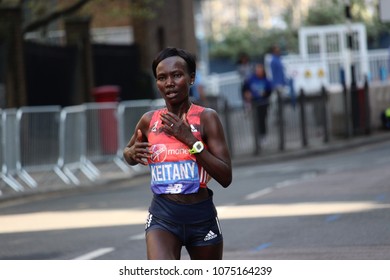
(197, 148)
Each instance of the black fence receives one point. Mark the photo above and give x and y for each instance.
(50, 72)
(291, 123)
(119, 65)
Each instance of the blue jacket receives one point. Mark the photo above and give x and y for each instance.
(260, 88)
(277, 69)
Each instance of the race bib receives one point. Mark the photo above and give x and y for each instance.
(174, 177)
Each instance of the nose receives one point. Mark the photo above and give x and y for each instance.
(170, 81)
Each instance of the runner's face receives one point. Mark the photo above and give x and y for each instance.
(173, 80)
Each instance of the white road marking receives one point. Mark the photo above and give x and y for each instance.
(280, 185)
(258, 193)
(268, 190)
(137, 236)
(286, 183)
(95, 254)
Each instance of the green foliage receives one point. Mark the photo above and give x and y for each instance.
(145, 9)
(253, 40)
(325, 13)
(235, 40)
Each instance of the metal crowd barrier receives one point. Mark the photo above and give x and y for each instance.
(47, 139)
(37, 141)
(8, 149)
(73, 145)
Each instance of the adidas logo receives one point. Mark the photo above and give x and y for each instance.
(148, 220)
(210, 236)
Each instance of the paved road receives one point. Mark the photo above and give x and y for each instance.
(329, 206)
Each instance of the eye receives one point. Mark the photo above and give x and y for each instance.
(177, 75)
(161, 78)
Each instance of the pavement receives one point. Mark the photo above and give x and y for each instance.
(112, 175)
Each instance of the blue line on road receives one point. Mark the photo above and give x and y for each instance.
(262, 246)
(380, 197)
(332, 218)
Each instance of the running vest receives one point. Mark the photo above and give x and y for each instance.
(173, 169)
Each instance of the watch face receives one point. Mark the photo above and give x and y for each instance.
(198, 146)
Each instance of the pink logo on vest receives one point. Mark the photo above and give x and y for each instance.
(159, 153)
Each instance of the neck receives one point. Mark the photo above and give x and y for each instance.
(179, 109)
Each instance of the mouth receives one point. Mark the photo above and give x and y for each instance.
(171, 94)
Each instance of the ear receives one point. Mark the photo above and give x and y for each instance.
(192, 78)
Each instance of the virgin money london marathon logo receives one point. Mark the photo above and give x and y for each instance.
(159, 153)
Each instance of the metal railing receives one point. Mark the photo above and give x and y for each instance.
(73, 144)
(37, 141)
(8, 149)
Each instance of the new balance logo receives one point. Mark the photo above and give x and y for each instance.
(174, 188)
(210, 236)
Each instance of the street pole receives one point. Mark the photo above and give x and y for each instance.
(353, 87)
(203, 51)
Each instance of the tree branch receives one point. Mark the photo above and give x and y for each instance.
(53, 16)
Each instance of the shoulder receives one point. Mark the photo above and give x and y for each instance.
(211, 125)
(150, 113)
(147, 117)
(202, 111)
(208, 114)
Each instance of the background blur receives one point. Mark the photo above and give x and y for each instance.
(55, 52)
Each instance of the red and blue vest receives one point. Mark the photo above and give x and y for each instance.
(173, 169)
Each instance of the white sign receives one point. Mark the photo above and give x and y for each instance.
(308, 76)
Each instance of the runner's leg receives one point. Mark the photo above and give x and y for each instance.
(162, 245)
(210, 252)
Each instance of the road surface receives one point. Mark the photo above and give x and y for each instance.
(331, 206)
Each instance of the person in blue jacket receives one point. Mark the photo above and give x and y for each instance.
(257, 90)
(277, 70)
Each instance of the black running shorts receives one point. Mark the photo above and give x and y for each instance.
(194, 224)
